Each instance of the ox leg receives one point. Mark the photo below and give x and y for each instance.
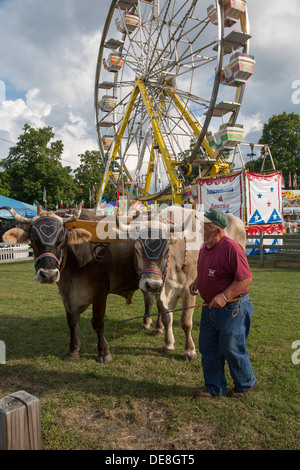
(148, 302)
(73, 323)
(159, 327)
(167, 320)
(147, 320)
(99, 307)
(186, 323)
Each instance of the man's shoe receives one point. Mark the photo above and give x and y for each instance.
(200, 393)
(236, 394)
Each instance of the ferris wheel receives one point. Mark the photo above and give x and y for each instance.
(163, 81)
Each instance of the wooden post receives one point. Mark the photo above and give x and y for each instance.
(261, 247)
(39, 209)
(20, 423)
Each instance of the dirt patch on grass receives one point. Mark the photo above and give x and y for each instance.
(145, 427)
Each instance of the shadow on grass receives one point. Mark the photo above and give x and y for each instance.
(43, 336)
(35, 349)
(104, 383)
(26, 338)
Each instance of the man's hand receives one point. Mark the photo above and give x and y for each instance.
(194, 288)
(230, 293)
(217, 302)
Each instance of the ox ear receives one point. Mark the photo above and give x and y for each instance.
(16, 235)
(78, 235)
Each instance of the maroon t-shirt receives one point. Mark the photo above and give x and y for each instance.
(219, 266)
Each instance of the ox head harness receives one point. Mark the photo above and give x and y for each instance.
(48, 230)
(153, 242)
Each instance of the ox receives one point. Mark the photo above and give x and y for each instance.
(168, 265)
(84, 272)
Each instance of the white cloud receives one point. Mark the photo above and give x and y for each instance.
(15, 113)
(76, 138)
(274, 29)
(252, 124)
(74, 132)
(51, 50)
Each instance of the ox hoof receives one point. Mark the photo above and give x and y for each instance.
(101, 358)
(71, 357)
(166, 350)
(145, 327)
(157, 332)
(189, 357)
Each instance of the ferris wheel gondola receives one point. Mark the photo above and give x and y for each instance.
(160, 72)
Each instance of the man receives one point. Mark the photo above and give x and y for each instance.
(222, 280)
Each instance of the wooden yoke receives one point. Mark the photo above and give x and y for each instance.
(91, 226)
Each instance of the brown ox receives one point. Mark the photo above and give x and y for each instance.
(85, 272)
(167, 265)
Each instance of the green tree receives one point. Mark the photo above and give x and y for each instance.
(88, 177)
(33, 164)
(4, 184)
(282, 135)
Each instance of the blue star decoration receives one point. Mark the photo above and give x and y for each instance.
(275, 217)
(272, 190)
(259, 196)
(256, 219)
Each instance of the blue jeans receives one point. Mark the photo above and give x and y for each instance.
(223, 335)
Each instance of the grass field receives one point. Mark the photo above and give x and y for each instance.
(143, 400)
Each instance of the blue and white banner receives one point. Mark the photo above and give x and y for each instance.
(225, 193)
(264, 200)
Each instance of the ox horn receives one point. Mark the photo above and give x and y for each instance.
(74, 216)
(18, 218)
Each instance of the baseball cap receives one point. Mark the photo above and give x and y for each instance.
(215, 216)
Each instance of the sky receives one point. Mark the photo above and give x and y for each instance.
(48, 58)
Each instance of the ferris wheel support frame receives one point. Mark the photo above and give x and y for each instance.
(194, 125)
(139, 87)
(177, 188)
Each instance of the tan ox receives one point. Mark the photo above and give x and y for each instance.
(167, 265)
